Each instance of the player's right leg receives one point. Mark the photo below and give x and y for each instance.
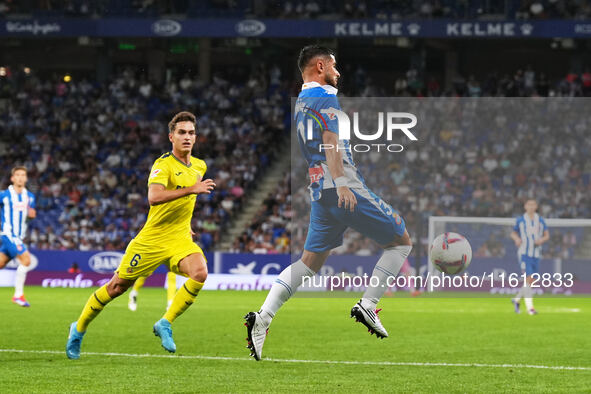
(24, 266)
(95, 304)
(376, 219)
(516, 301)
(8, 251)
(365, 310)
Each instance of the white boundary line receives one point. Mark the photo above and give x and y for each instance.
(340, 362)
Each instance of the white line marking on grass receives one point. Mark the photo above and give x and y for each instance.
(340, 362)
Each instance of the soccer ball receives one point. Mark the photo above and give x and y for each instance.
(451, 253)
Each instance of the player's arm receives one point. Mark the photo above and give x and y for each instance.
(31, 212)
(516, 238)
(334, 160)
(158, 194)
(545, 237)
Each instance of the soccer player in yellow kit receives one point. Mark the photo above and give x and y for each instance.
(173, 185)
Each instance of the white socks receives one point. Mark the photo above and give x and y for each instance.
(284, 287)
(19, 280)
(292, 277)
(387, 266)
(527, 294)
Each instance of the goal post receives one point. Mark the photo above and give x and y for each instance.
(494, 252)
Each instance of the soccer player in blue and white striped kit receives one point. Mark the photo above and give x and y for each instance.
(340, 199)
(529, 233)
(17, 204)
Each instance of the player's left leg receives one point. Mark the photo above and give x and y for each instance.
(24, 266)
(325, 232)
(194, 266)
(531, 268)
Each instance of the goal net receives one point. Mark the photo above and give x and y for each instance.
(565, 264)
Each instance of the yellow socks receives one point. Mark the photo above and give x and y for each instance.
(170, 286)
(93, 307)
(183, 298)
(139, 283)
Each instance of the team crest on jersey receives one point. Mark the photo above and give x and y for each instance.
(331, 115)
(154, 173)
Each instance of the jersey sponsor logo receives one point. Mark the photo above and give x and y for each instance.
(154, 173)
(105, 262)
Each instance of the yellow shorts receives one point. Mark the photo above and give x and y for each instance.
(141, 259)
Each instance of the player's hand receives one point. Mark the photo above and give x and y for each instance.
(191, 232)
(31, 213)
(347, 199)
(518, 242)
(538, 242)
(205, 186)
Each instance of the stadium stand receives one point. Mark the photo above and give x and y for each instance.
(120, 124)
(327, 9)
(89, 147)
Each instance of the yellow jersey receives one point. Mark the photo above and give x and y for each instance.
(172, 220)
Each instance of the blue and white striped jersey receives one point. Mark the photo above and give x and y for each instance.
(530, 230)
(314, 114)
(14, 208)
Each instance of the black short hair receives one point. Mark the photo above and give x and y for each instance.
(310, 52)
(184, 116)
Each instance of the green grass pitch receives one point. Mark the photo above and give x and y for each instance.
(492, 348)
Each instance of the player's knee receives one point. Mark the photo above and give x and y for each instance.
(403, 240)
(25, 260)
(198, 272)
(314, 260)
(115, 289)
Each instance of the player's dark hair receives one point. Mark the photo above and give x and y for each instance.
(310, 52)
(184, 116)
(18, 168)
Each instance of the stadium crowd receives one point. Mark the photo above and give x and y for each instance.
(269, 231)
(89, 147)
(356, 9)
